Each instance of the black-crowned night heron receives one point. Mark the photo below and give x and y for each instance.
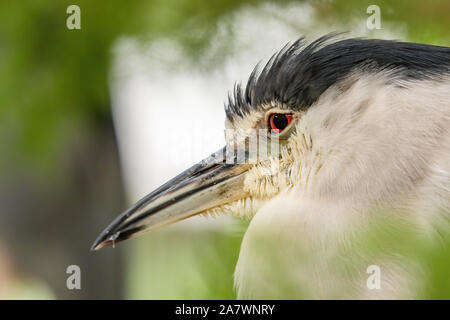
(356, 129)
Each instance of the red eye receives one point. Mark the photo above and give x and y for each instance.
(279, 121)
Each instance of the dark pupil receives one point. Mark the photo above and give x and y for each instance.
(280, 121)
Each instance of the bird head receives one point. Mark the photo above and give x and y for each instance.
(296, 123)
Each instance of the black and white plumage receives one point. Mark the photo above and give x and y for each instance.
(367, 139)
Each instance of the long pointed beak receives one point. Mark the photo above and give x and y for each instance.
(208, 184)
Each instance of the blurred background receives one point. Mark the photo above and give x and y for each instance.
(92, 119)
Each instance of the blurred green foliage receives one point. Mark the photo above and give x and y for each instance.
(425, 21)
(335, 266)
(179, 263)
(54, 81)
